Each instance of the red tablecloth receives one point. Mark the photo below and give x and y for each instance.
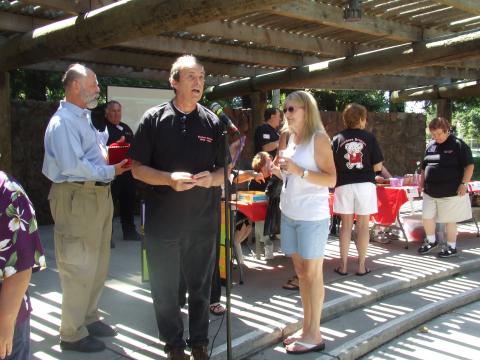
(389, 201)
(253, 211)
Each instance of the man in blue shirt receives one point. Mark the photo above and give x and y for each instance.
(81, 204)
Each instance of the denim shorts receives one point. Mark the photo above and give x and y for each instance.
(307, 238)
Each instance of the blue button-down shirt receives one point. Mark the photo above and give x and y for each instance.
(74, 149)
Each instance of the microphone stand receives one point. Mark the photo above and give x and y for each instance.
(228, 245)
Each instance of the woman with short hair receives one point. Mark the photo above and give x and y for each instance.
(357, 157)
(447, 167)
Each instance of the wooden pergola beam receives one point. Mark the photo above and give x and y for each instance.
(443, 72)
(126, 58)
(469, 6)
(94, 29)
(120, 71)
(317, 12)
(452, 91)
(376, 82)
(20, 23)
(70, 7)
(219, 51)
(406, 57)
(275, 38)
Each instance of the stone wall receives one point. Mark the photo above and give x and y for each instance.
(401, 137)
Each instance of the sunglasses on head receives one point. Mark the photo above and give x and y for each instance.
(291, 109)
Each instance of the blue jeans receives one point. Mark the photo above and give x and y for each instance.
(21, 342)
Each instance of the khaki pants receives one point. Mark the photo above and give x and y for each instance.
(83, 229)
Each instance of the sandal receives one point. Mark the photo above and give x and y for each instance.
(340, 272)
(291, 284)
(217, 309)
(367, 271)
(300, 347)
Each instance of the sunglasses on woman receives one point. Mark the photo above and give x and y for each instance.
(291, 109)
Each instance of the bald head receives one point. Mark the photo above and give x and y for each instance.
(81, 86)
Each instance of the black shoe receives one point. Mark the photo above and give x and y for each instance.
(447, 252)
(87, 344)
(100, 329)
(132, 236)
(427, 247)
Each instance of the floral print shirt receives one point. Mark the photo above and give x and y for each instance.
(20, 247)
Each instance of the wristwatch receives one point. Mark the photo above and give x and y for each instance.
(305, 174)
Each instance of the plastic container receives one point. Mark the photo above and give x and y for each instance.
(413, 227)
(395, 182)
(252, 196)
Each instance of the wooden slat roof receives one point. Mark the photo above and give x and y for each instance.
(288, 35)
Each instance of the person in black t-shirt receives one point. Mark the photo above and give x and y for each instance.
(266, 135)
(357, 157)
(123, 187)
(446, 169)
(178, 151)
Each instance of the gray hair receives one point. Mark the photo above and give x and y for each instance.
(74, 72)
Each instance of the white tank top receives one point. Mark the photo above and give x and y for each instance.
(300, 199)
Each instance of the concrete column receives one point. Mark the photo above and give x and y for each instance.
(444, 108)
(5, 123)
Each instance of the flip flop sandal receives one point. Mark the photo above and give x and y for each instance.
(290, 285)
(367, 271)
(337, 270)
(217, 309)
(306, 347)
(289, 340)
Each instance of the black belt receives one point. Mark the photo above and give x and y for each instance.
(97, 183)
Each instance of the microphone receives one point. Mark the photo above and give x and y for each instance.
(217, 109)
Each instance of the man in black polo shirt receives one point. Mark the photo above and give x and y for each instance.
(123, 187)
(178, 151)
(266, 135)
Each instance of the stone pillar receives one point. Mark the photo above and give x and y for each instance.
(5, 123)
(444, 109)
(258, 101)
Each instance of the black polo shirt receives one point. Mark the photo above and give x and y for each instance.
(444, 165)
(265, 134)
(115, 132)
(355, 151)
(171, 141)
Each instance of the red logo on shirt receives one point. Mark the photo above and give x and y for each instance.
(205, 139)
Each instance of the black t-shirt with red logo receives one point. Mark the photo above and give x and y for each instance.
(171, 141)
(444, 165)
(355, 151)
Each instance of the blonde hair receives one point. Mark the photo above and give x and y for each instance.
(260, 160)
(353, 114)
(313, 121)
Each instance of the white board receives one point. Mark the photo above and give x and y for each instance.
(135, 101)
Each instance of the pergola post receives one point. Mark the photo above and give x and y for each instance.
(258, 100)
(5, 123)
(444, 108)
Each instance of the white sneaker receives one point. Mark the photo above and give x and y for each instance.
(269, 252)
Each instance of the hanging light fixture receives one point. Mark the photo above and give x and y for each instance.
(353, 10)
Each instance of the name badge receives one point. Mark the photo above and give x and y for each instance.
(266, 136)
(119, 127)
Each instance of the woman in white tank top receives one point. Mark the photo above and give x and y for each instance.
(308, 169)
